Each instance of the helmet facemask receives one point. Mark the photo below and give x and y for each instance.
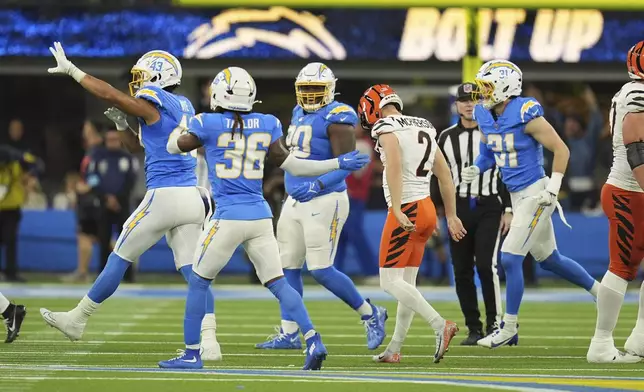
(312, 96)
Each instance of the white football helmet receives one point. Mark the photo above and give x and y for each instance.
(156, 68)
(233, 89)
(315, 87)
(498, 80)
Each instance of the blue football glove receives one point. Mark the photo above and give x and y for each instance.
(306, 191)
(353, 160)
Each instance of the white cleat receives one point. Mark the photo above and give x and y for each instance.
(210, 350)
(605, 352)
(500, 337)
(63, 322)
(635, 344)
(387, 357)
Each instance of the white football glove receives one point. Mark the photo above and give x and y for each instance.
(118, 117)
(470, 173)
(545, 198)
(548, 196)
(63, 65)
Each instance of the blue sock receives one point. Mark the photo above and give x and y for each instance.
(186, 271)
(340, 285)
(568, 269)
(195, 308)
(108, 281)
(292, 303)
(513, 266)
(294, 279)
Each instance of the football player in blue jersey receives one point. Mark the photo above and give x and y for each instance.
(236, 142)
(173, 205)
(514, 133)
(317, 207)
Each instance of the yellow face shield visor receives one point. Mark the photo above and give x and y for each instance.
(312, 95)
(484, 91)
(139, 76)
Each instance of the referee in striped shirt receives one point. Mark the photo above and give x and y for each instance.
(485, 210)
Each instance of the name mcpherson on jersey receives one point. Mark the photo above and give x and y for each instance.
(417, 139)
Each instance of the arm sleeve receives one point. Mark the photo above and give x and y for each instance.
(334, 177)
(485, 160)
(435, 192)
(306, 168)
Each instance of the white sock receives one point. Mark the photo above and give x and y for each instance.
(595, 289)
(193, 346)
(391, 280)
(365, 309)
(4, 303)
(609, 302)
(639, 326)
(85, 308)
(510, 321)
(209, 326)
(289, 327)
(404, 317)
(309, 334)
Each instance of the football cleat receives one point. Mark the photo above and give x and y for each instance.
(63, 322)
(604, 351)
(500, 337)
(14, 322)
(315, 353)
(387, 357)
(443, 338)
(282, 341)
(374, 326)
(187, 359)
(635, 344)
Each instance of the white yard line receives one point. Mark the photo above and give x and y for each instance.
(326, 335)
(26, 344)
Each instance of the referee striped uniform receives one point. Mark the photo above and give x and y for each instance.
(480, 206)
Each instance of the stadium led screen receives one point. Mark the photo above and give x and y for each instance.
(279, 33)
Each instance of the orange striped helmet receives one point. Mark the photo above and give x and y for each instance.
(373, 100)
(635, 61)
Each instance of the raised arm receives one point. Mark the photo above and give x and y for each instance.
(101, 89)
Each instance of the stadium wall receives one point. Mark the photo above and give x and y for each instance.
(47, 243)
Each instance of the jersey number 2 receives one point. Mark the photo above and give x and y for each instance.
(503, 155)
(423, 137)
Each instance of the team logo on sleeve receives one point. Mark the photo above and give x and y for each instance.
(300, 33)
(526, 108)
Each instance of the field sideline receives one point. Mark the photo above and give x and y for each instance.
(143, 325)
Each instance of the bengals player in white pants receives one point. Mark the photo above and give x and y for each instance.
(409, 152)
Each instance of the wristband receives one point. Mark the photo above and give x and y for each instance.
(555, 183)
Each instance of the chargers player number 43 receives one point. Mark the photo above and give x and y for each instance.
(503, 147)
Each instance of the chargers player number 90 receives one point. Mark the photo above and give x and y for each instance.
(245, 156)
(298, 140)
(503, 155)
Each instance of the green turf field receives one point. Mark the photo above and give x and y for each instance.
(127, 337)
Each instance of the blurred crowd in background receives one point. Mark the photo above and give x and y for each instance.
(578, 112)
